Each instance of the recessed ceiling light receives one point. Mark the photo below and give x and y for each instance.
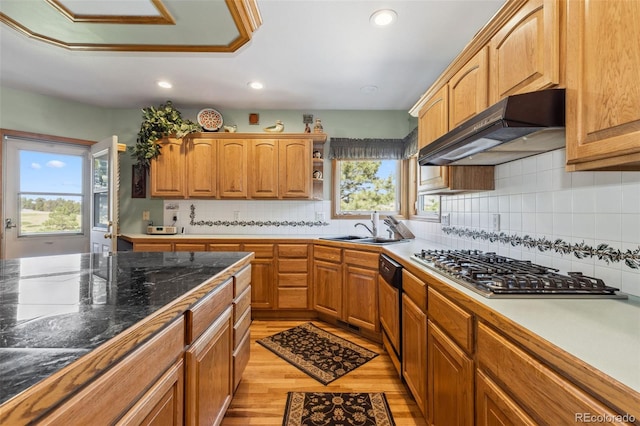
(165, 84)
(369, 89)
(255, 85)
(383, 17)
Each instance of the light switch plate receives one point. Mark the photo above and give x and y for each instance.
(495, 222)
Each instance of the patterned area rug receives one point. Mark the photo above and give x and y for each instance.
(337, 409)
(322, 355)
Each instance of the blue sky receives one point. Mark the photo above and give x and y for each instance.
(46, 172)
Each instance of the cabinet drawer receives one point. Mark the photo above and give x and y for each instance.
(361, 258)
(547, 397)
(331, 254)
(115, 391)
(241, 327)
(260, 250)
(224, 247)
(293, 280)
(293, 265)
(456, 322)
(241, 280)
(415, 289)
(190, 247)
(202, 314)
(293, 250)
(241, 304)
(152, 247)
(241, 358)
(293, 298)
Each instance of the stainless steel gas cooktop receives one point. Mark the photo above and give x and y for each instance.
(496, 276)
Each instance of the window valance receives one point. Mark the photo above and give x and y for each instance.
(374, 149)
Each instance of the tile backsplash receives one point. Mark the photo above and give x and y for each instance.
(534, 197)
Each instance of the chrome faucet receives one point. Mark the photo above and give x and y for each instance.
(373, 232)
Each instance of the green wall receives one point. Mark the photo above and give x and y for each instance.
(32, 112)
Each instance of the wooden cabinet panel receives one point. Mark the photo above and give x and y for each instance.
(241, 280)
(546, 396)
(455, 321)
(209, 369)
(327, 288)
(241, 327)
(241, 357)
(163, 404)
(232, 168)
(262, 251)
(361, 297)
(293, 298)
(262, 284)
(433, 120)
(167, 171)
(468, 89)
(293, 279)
(190, 247)
(263, 157)
(295, 168)
(223, 247)
(414, 289)
(207, 309)
(293, 265)
(240, 304)
(202, 168)
(154, 247)
(414, 351)
(388, 303)
(525, 52)
(365, 259)
(495, 407)
(450, 381)
(603, 94)
(293, 250)
(330, 254)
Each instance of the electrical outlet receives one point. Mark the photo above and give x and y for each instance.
(445, 219)
(495, 222)
(236, 214)
(176, 216)
(146, 215)
(319, 216)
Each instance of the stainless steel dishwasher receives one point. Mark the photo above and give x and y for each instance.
(390, 303)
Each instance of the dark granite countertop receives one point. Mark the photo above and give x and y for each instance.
(55, 309)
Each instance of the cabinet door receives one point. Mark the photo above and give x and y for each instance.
(209, 376)
(468, 89)
(432, 177)
(433, 120)
(202, 168)
(603, 94)
(525, 53)
(167, 172)
(327, 288)
(232, 168)
(295, 174)
(262, 284)
(389, 303)
(495, 407)
(414, 351)
(450, 379)
(264, 168)
(361, 297)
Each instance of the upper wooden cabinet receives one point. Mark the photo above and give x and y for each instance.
(233, 165)
(603, 94)
(525, 53)
(233, 168)
(468, 89)
(433, 120)
(167, 172)
(202, 168)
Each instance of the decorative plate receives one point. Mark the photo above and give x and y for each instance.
(210, 119)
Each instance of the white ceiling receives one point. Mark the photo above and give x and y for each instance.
(310, 55)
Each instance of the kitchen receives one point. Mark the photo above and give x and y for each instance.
(532, 196)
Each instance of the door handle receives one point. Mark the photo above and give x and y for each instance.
(8, 223)
(108, 236)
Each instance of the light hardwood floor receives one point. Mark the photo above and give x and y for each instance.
(262, 393)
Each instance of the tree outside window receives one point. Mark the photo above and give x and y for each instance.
(365, 186)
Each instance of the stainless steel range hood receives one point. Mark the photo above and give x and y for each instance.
(516, 127)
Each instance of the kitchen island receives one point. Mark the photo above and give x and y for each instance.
(67, 321)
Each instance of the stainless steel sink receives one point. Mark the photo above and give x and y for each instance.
(364, 240)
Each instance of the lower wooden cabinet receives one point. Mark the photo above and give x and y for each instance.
(449, 381)
(414, 351)
(262, 275)
(361, 297)
(495, 407)
(293, 277)
(209, 373)
(327, 287)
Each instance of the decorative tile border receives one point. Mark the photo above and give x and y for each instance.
(258, 223)
(603, 251)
